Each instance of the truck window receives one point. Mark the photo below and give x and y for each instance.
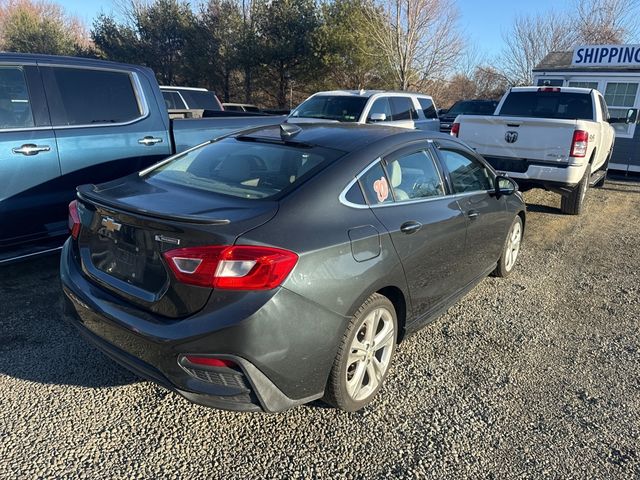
(402, 108)
(381, 105)
(15, 108)
(82, 96)
(428, 107)
(201, 99)
(561, 105)
(173, 101)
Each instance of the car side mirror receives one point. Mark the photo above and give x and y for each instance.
(378, 117)
(505, 185)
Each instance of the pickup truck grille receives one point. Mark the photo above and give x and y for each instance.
(519, 165)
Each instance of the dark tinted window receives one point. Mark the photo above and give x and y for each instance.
(233, 108)
(467, 174)
(173, 101)
(375, 186)
(244, 169)
(473, 108)
(79, 96)
(198, 99)
(402, 108)
(415, 176)
(428, 107)
(381, 105)
(15, 108)
(548, 105)
(354, 195)
(343, 108)
(554, 82)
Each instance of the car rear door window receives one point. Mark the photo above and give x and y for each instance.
(15, 106)
(83, 96)
(428, 107)
(381, 105)
(415, 176)
(402, 108)
(375, 186)
(467, 174)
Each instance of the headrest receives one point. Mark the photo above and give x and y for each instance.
(396, 175)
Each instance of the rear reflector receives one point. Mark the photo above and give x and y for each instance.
(455, 129)
(210, 361)
(74, 220)
(579, 143)
(549, 89)
(237, 267)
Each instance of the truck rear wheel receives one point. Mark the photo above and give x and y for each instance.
(572, 204)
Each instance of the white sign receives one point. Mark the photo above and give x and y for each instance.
(606, 55)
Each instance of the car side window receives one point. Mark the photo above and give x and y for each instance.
(381, 105)
(83, 96)
(467, 173)
(375, 186)
(415, 176)
(428, 107)
(402, 108)
(173, 101)
(15, 106)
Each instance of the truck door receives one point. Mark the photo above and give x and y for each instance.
(29, 167)
(107, 122)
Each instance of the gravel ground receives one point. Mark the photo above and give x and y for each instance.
(533, 376)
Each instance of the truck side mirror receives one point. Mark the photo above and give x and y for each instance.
(632, 116)
(377, 117)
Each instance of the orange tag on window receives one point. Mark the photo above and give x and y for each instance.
(381, 188)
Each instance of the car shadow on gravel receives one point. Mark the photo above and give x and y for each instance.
(36, 343)
(538, 208)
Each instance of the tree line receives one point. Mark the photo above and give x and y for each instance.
(276, 52)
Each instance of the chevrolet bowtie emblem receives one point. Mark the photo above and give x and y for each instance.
(110, 224)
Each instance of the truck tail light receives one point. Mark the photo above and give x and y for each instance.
(74, 220)
(236, 267)
(549, 89)
(455, 129)
(579, 143)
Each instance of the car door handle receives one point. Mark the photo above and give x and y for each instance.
(31, 149)
(410, 227)
(473, 213)
(149, 141)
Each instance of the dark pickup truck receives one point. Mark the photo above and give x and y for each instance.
(68, 121)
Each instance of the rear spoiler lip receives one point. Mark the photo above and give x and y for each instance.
(84, 193)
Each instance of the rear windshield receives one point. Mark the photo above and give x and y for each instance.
(197, 99)
(548, 105)
(338, 107)
(246, 169)
(473, 108)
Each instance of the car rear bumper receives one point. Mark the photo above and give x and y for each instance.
(271, 375)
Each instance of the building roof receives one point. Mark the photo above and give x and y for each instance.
(561, 62)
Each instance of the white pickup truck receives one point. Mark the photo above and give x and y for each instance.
(555, 138)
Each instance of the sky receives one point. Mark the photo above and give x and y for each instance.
(482, 22)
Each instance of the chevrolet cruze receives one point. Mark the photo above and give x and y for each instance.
(284, 264)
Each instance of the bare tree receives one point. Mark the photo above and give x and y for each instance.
(419, 39)
(605, 21)
(530, 39)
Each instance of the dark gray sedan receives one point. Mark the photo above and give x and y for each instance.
(284, 264)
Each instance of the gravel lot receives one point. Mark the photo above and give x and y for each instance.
(533, 376)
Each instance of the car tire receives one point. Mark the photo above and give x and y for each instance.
(573, 203)
(511, 249)
(364, 355)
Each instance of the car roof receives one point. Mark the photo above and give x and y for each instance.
(367, 93)
(64, 60)
(549, 88)
(342, 136)
(171, 87)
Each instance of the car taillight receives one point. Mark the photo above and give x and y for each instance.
(579, 143)
(455, 129)
(237, 267)
(74, 220)
(549, 89)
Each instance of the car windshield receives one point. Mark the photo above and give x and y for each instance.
(244, 168)
(332, 107)
(561, 105)
(472, 108)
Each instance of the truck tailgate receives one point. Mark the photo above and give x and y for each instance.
(540, 139)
